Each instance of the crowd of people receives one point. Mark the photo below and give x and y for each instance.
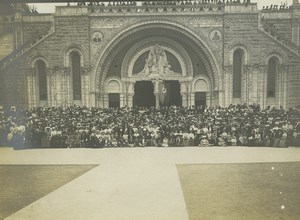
(236, 125)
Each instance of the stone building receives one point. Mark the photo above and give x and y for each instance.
(139, 54)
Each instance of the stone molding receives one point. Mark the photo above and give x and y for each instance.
(106, 52)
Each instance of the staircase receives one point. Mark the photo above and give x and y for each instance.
(21, 50)
(288, 44)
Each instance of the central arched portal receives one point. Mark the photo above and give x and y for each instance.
(171, 93)
(168, 94)
(158, 65)
(143, 94)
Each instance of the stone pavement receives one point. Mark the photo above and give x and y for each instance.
(128, 183)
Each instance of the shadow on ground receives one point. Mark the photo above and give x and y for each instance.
(21, 185)
(241, 191)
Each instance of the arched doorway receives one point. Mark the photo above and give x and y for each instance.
(113, 90)
(143, 94)
(201, 92)
(126, 58)
(171, 93)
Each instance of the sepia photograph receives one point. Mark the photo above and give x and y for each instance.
(149, 110)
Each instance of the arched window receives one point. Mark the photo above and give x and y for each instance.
(42, 79)
(272, 73)
(76, 75)
(238, 56)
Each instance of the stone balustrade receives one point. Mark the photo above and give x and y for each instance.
(25, 47)
(272, 31)
(139, 7)
(192, 8)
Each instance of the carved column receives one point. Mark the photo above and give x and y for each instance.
(156, 92)
(65, 86)
(189, 94)
(192, 98)
(130, 94)
(228, 87)
(106, 100)
(285, 74)
(254, 86)
(29, 87)
(57, 86)
(183, 92)
(259, 86)
(34, 89)
(100, 99)
(123, 97)
(246, 84)
(50, 85)
(264, 93)
(85, 85)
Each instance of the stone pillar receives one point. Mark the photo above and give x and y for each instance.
(264, 75)
(85, 82)
(57, 99)
(228, 85)
(65, 87)
(130, 94)
(106, 100)
(35, 92)
(100, 99)
(183, 92)
(29, 88)
(50, 86)
(121, 100)
(246, 80)
(192, 98)
(189, 94)
(285, 74)
(123, 96)
(156, 92)
(208, 99)
(92, 99)
(130, 100)
(259, 92)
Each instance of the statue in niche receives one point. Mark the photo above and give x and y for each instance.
(157, 62)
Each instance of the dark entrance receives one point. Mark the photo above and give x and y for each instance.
(143, 94)
(114, 100)
(200, 99)
(172, 94)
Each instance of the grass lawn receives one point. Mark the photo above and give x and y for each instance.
(20, 185)
(257, 191)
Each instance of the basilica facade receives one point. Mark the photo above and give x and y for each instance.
(141, 54)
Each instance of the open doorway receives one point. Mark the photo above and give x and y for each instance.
(143, 94)
(172, 94)
(200, 99)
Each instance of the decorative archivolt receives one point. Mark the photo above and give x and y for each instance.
(69, 49)
(110, 23)
(166, 44)
(282, 57)
(35, 55)
(238, 43)
(201, 84)
(104, 53)
(113, 85)
(242, 47)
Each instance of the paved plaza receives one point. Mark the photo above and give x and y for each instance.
(142, 183)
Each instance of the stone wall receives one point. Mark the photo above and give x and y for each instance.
(6, 36)
(238, 26)
(13, 85)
